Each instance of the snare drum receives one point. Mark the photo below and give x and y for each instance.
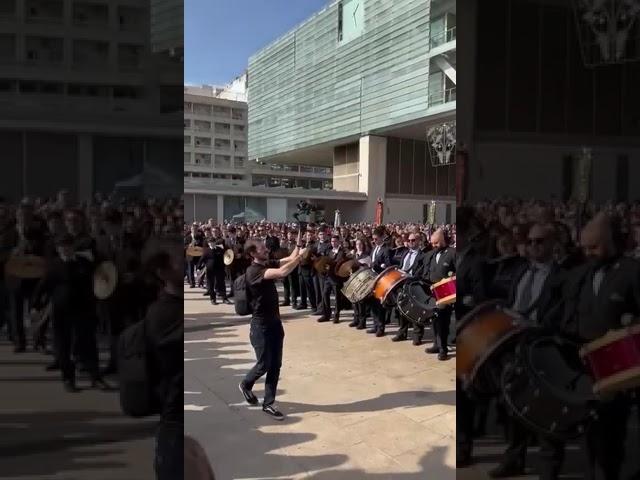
(413, 302)
(390, 279)
(481, 338)
(445, 291)
(359, 285)
(614, 360)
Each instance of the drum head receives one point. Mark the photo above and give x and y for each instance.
(413, 301)
(556, 362)
(475, 313)
(105, 280)
(359, 285)
(346, 268)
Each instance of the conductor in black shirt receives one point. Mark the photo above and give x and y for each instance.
(266, 334)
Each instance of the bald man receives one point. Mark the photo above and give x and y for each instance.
(439, 263)
(600, 296)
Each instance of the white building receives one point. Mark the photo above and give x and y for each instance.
(219, 181)
(86, 93)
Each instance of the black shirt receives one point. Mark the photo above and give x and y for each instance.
(263, 296)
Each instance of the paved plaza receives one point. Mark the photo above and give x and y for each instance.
(357, 407)
(49, 434)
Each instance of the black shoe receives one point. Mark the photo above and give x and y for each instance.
(70, 386)
(248, 395)
(442, 356)
(433, 349)
(52, 367)
(300, 307)
(323, 319)
(353, 324)
(226, 301)
(317, 312)
(380, 333)
(192, 286)
(361, 327)
(417, 341)
(399, 338)
(214, 302)
(272, 412)
(506, 470)
(336, 320)
(285, 304)
(206, 294)
(372, 330)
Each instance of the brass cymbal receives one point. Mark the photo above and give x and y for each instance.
(229, 257)
(105, 280)
(323, 264)
(346, 268)
(193, 251)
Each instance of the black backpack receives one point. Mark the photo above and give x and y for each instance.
(138, 397)
(241, 297)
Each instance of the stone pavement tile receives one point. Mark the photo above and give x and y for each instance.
(443, 424)
(436, 461)
(394, 433)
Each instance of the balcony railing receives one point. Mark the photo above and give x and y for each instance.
(445, 96)
(443, 37)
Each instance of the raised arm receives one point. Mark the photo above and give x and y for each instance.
(285, 268)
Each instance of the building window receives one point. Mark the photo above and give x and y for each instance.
(221, 111)
(187, 140)
(45, 50)
(239, 162)
(222, 144)
(91, 14)
(237, 114)
(187, 157)
(44, 11)
(202, 142)
(238, 145)
(202, 125)
(187, 107)
(187, 123)
(222, 161)
(201, 109)
(202, 159)
(222, 128)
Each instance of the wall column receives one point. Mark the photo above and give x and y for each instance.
(373, 172)
(85, 166)
(220, 209)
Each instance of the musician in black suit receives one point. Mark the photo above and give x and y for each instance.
(291, 282)
(602, 295)
(235, 243)
(323, 246)
(380, 259)
(360, 309)
(332, 284)
(213, 260)
(535, 294)
(411, 262)
(307, 274)
(69, 285)
(438, 264)
(195, 239)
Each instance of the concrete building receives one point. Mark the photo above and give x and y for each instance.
(85, 94)
(355, 89)
(219, 181)
(535, 94)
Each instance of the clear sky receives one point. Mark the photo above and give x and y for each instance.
(221, 35)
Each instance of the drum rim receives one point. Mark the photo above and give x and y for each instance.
(404, 276)
(525, 419)
(443, 281)
(466, 319)
(409, 283)
(608, 338)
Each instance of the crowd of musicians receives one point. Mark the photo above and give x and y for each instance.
(50, 250)
(425, 252)
(571, 271)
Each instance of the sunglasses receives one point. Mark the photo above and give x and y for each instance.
(536, 241)
(413, 240)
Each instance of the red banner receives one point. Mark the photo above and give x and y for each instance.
(379, 212)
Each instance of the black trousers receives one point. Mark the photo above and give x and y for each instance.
(605, 438)
(307, 288)
(75, 336)
(360, 312)
(330, 286)
(215, 278)
(291, 284)
(441, 324)
(405, 323)
(191, 272)
(318, 288)
(20, 295)
(465, 414)
(379, 314)
(267, 342)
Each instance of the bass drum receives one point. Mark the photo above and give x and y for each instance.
(386, 283)
(359, 285)
(546, 387)
(483, 336)
(413, 302)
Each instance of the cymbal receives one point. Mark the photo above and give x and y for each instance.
(229, 256)
(105, 280)
(26, 266)
(323, 264)
(195, 251)
(346, 268)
